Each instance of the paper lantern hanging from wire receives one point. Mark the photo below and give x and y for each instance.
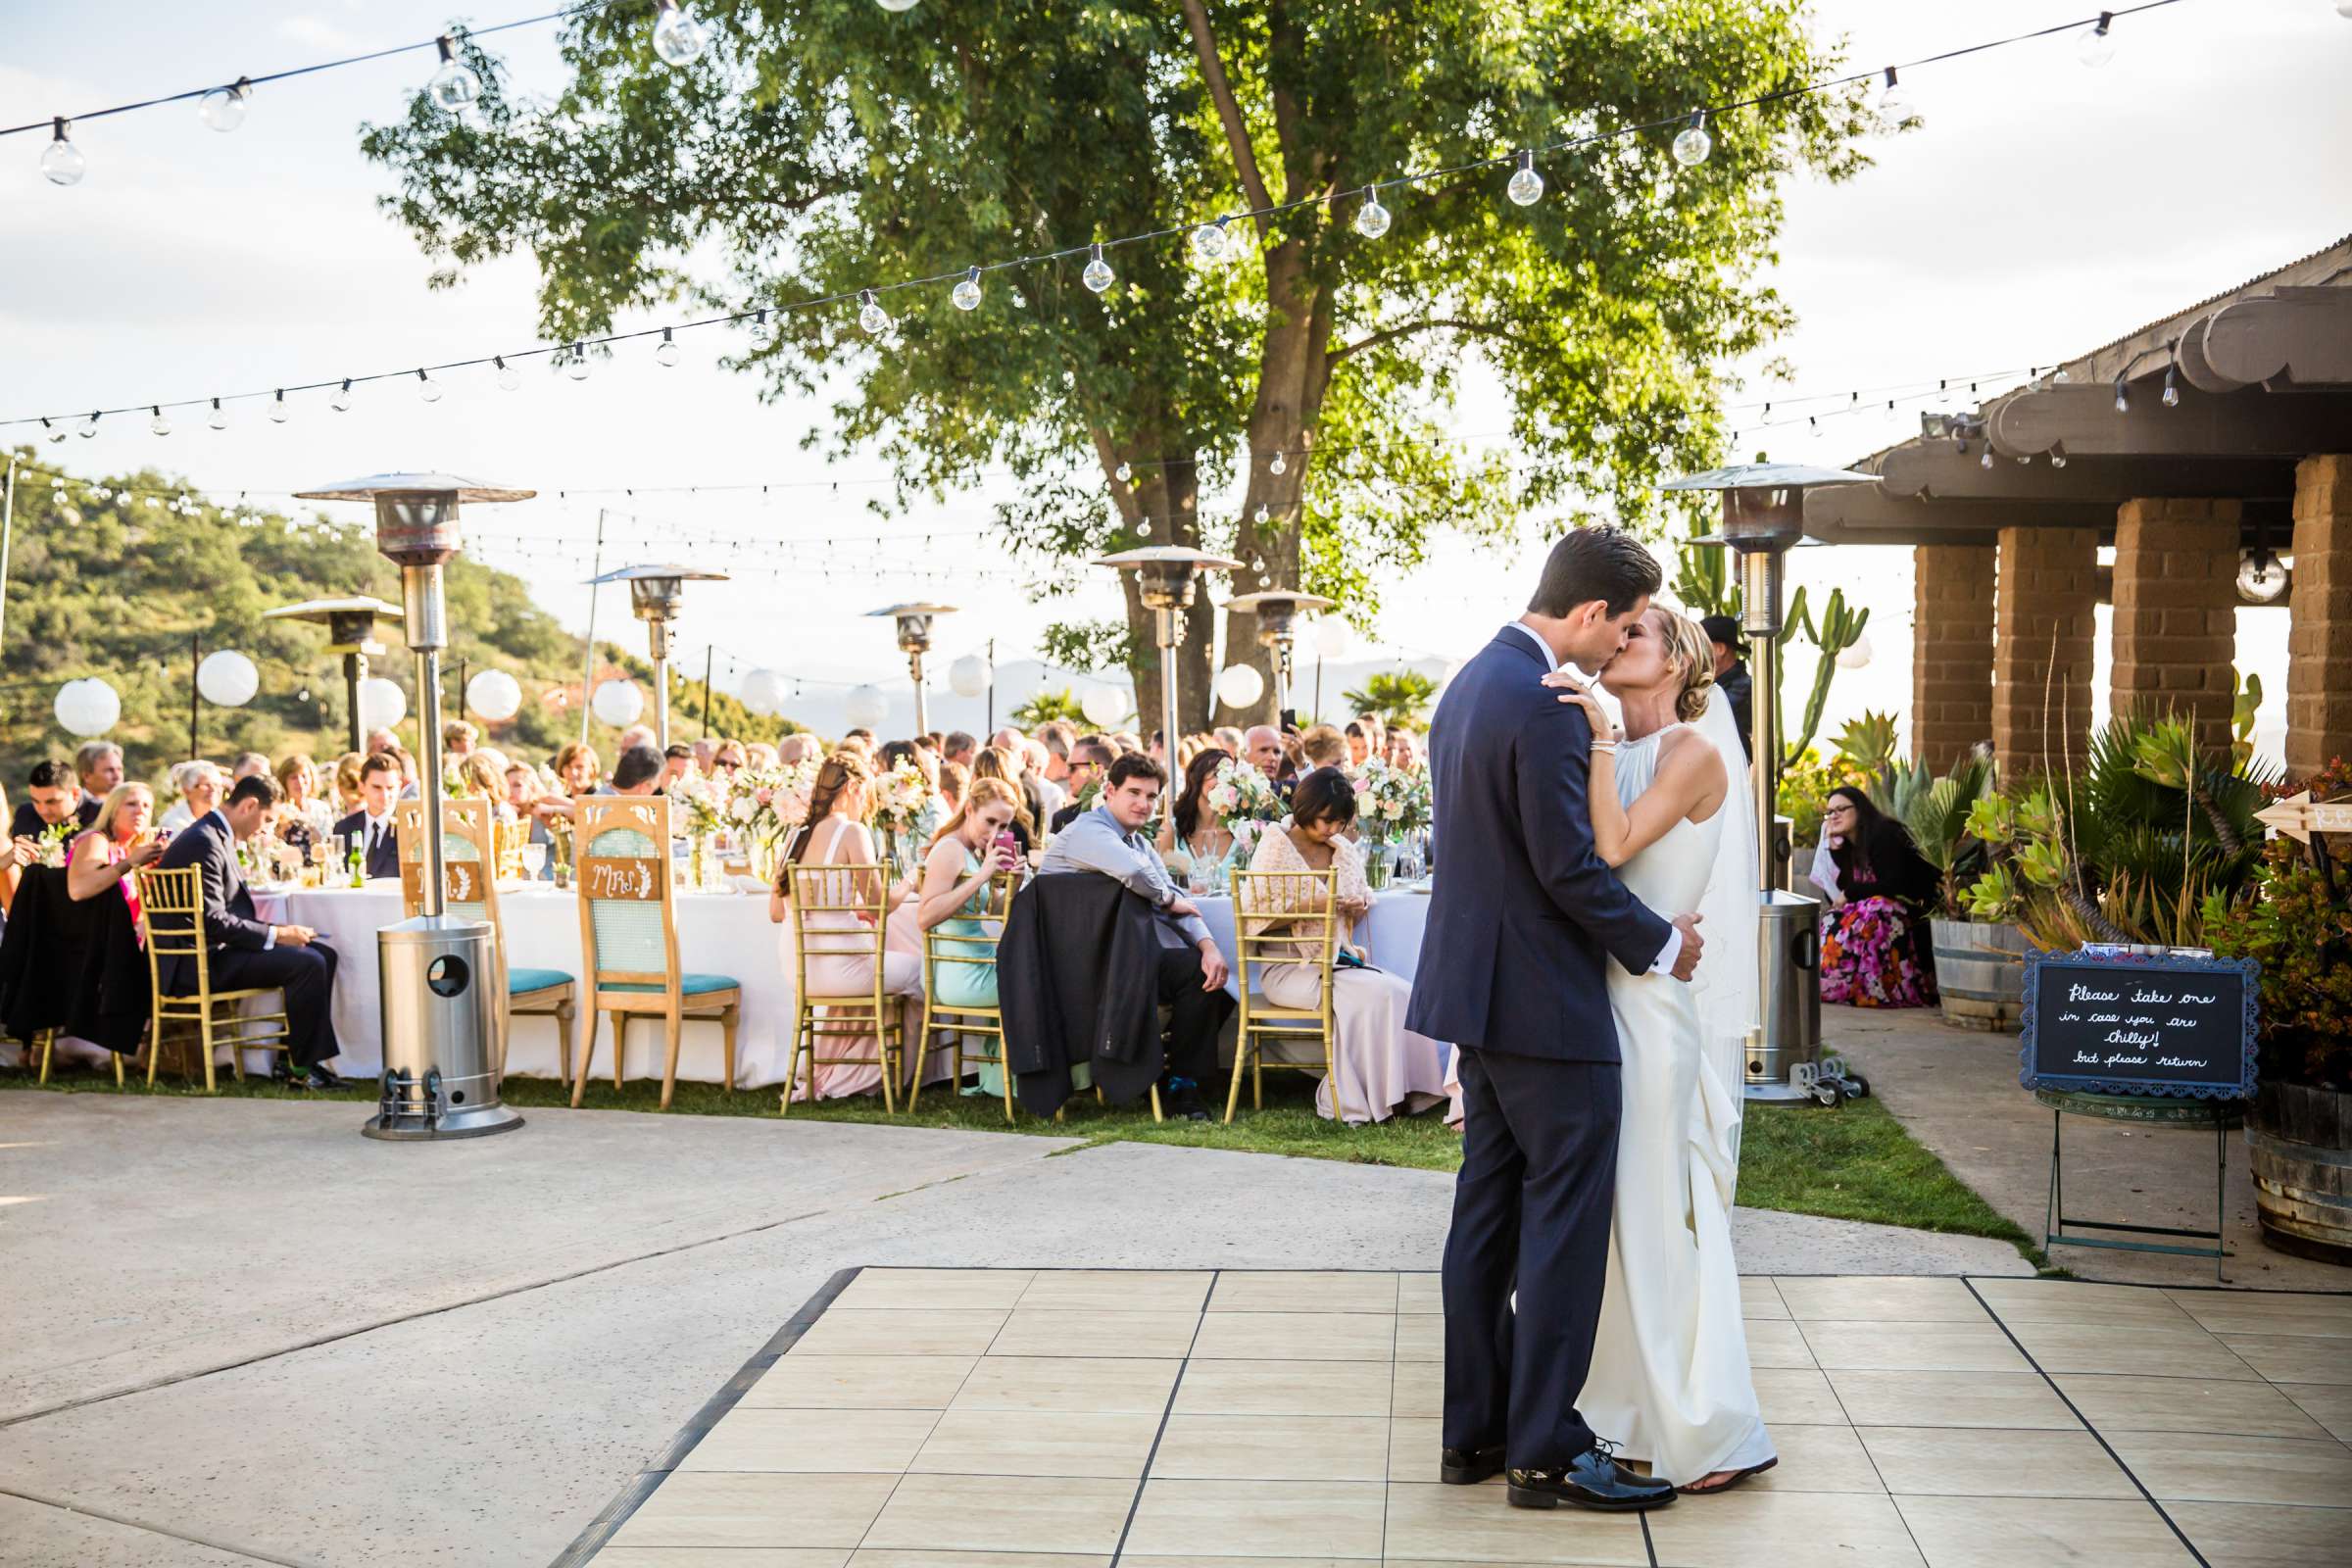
(618, 703)
(763, 693)
(228, 678)
(1332, 639)
(382, 705)
(495, 695)
(866, 707)
(87, 707)
(1103, 706)
(1857, 654)
(1240, 685)
(969, 675)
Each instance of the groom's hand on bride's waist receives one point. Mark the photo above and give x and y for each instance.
(1687, 960)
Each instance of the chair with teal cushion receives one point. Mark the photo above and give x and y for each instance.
(629, 937)
(468, 844)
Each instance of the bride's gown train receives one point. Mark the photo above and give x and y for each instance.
(1670, 1380)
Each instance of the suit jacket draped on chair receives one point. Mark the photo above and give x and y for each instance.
(1076, 980)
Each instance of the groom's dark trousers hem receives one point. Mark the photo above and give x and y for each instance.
(1531, 1212)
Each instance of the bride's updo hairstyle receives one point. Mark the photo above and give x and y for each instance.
(1687, 647)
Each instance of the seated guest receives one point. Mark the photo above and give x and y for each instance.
(1194, 826)
(1383, 1066)
(370, 827)
(1323, 746)
(761, 756)
(731, 757)
(577, 766)
(99, 766)
(677, 760)
(1108, 841)
(245, 952)
(249, 765)
(1125, 741)
(636, 735)
(992, 762)
(860, 741)
(482, 772)
(1376, 732)
(959, 748)
(1263, 746)
(964, 854)
(117, 844)
(799, 746)
(955, 783)
(303, 818)
(200, 784)
(706, 752)
(346, 783)
(935, 808)
(1090, 758)
(639, 771)
(456, 739)
(1405, 751)
(380, 740)
(1051, 796)
(1359, 744)
(522, 793)
(52, 796)
(1872, 949)
(1227, 739)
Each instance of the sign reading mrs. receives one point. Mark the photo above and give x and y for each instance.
(2123, 1023)
(631, 877)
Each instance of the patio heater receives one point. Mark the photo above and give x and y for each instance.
(1763, 519)
(444, 1004)
(915, 641)
(657, 594)
(1165, 576)
(1277, 612)
(351, 631)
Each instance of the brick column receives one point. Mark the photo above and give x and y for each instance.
(2318, 639)
(2042, 631)
(1951, 651)
(2176, 614)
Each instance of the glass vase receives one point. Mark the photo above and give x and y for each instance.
(1376, 865)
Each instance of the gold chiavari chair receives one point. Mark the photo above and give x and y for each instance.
(951, 956)
(860, 895)
(472, 843)
(172, 910)
(629, 937)
(46, 1040)
(1283, 918)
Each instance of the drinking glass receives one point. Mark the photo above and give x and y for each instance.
(534, 860)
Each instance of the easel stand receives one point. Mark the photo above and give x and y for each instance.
(2151, 1111)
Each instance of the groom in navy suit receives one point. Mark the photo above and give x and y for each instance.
(1525, 917)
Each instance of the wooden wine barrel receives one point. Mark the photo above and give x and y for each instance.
(1981, 974)
(2300, 1139)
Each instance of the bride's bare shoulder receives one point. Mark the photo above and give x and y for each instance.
(1684, 751)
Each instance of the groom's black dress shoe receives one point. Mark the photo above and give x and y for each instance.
(1591, 1480)
(1467, 1467)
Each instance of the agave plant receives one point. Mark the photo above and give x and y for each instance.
(1942, 817)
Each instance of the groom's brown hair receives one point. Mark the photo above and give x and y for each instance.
(1603, 563)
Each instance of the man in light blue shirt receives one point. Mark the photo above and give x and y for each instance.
(1108, 841)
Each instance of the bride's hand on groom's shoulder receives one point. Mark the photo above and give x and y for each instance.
(1574, 692)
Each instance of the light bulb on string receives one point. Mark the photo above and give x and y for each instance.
(1261, 513)
(1279, 465)
(577, 368)
(2259, 577)
(224, 108)
(88, 428)
(51, 432)
(342, 401)
(61, 161)
(1986, 462)
(455, 85)
(2123, 399)
(896, 6)
(1693, 145)
(1208, 242)
(2057, 454)
(1143, 527)
(2172, 393)
(1258, 563)
(509, 378)
(1526, 187)
(678, 39)
(966, 294)
(1896, 101)
(1124, 472)
(1371, 219)
(1097, 274)
(2095, 45)
(219, 418)
(870, 313)
(666, 352)
(427, 389)
(159, 425)
(278, 411)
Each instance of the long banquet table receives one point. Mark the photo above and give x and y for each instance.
(719, 933)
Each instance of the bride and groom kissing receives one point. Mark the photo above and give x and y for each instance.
(1593, 1313)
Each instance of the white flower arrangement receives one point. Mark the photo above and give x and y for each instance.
(1391, 801)
(898, 796)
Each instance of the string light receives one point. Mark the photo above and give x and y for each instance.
(2057, 454)
(578, 366)
(52, 433)
(219, 416)
(1124, 472)
(896, 7)
(1097, 274)
(2172, 393)
(2094, 46)
(61, 160)
(278, 411)
(1371, 219)
(159, 425)
(2123, 399)
(1894, 101)
(1693, 145)
(678, 39)
(224, 108)
(666, 352)
(88, 428)
(966, 294)
(1526, 187)
(870, 313)
(1279, 465)
(1208, 242)
(509, 378)
(455, 85)
(342, 401)
(427, 389)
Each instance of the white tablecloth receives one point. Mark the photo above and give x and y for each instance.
(1390, 933)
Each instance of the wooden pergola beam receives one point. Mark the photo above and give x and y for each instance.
(2236, 424)
(1940, 470)
(2302, 335)
(1861, 509)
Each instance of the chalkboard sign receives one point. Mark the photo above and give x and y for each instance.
(2138, 1024)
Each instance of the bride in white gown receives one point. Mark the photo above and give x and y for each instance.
(1670, 1381)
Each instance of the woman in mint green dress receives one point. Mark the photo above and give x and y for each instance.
(962, 859)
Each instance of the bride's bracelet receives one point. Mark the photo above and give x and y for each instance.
(1604, 748)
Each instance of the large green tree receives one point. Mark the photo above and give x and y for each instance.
(825, 146)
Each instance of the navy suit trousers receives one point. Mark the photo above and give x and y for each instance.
(1531, 1212)
(307, 975)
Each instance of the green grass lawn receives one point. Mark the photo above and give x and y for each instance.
(1852, 1163)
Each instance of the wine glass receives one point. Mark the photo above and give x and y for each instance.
(534, 860)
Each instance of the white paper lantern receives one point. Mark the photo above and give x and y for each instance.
(969, 675)
(87, 708)
(763, 693)
(1331, 639)
(495, 695)
(1240, 685)
(1103, 706)
(228, 678)
(382, 705)
(866, 707)
(618, 703)
(1857, 656)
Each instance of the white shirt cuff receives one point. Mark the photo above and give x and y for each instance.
(270, 941)
(1673, 949)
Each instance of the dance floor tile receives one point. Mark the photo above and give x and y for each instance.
(1773, 1342)
(1420, 1292)
(812, 1441)
(2041, 1532)
(1118, 1290)
(897, 1557)
(909, 1331)
(1420, 1388)
(1297, 1335)
(1456, 1524)
(2113, 1402)
(2238, 1535)
(1990, 1462)
(984, 1288)
(1880, 1300)
(2148, 1348)
(1760, 1296)
(1413, 1449)
(1797, 1394)
(1274, 1447)
(1950, 1400)
(2223, 1469)
(1745, 1529)
(1050, 1331)
(2248, 1312)
(1103, 1384)
(2077, 1302)
(1817, 1458)
(732, 1509)
(2292, 1357)
(2327, 1403)
(1286, 1388)
(1420, 1336)
(1844, 1346)
(1258, 1518)
(988, 1513)
(1275, 1291)
(862, 1381)
(722, 1557)
(1038, 1442)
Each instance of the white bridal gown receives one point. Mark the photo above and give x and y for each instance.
(1670, 1380)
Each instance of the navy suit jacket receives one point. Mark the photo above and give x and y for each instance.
(228, 918)
(1524, 908)
(384, 859)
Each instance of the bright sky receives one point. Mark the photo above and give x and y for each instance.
(2043, 209)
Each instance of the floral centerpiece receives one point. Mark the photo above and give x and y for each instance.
(705, 799)
(1246, 799)
(897, 802)
(49, 847)
(1391, 801)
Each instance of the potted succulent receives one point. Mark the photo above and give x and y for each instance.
(1960, 827)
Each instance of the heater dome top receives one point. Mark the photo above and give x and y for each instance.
(633, 573)
(1768, 476)
(912, 610)
(1247, 604)
(322, 609)
(440, 484)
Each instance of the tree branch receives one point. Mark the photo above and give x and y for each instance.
(1229, 112)
(1392, 334)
